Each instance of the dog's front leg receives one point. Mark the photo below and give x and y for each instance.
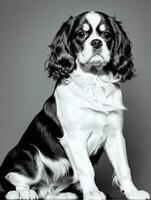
(76, 150)
(116, 151)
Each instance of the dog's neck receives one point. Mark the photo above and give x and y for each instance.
(102, 84)
(100, 92)
(103, 78)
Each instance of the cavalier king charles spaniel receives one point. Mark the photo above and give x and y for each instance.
(90, 55)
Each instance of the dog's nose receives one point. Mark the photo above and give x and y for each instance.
(96, 43)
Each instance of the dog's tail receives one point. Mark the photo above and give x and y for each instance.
(2, 191)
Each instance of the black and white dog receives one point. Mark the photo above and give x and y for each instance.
(90, 55)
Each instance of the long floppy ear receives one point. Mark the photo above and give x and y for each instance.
(61, 61)
(122, 61)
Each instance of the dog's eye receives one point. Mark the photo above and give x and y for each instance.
(107, 35)
(81, 34)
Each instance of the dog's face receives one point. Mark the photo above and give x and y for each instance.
(95, 41)
(92, 41)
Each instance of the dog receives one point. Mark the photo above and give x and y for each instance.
(89, 57)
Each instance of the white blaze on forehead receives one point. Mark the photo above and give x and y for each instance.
(94, 19)
(86, 27)
(102, 27)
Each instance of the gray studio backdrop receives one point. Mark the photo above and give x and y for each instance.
(26, 29)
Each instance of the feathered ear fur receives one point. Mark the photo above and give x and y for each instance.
(61, 62)
(122, 61)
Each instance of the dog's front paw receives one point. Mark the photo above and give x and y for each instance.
(137, 194)
(94, 195)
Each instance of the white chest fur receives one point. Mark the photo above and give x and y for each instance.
(91, 104)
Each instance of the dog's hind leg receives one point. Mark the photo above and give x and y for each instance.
(22, 185)
(24, 171)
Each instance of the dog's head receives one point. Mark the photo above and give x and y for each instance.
(95, 41)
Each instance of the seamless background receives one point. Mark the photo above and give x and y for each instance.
(26, 29)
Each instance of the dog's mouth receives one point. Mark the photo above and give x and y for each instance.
(93, 67)
(95, 63)
(96, 60)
